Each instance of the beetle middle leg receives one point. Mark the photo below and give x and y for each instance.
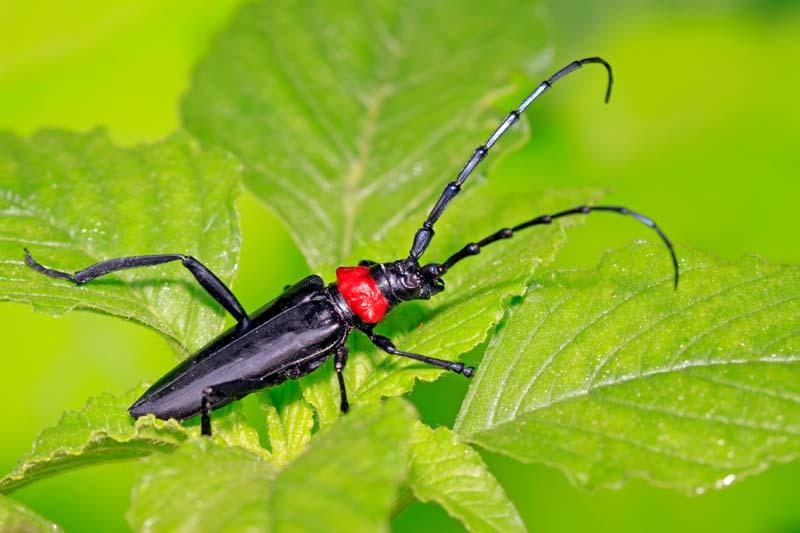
(339, 362)
(388, 346)
(207, 279)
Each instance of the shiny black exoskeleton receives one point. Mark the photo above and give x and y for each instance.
(310, 321)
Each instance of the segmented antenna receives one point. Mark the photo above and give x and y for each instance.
(424, 235)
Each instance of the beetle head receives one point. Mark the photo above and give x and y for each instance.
(405, 280)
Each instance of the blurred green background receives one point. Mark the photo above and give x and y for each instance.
(703, 134)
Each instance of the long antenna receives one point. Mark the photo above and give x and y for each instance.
(424, 235)
(474, 248)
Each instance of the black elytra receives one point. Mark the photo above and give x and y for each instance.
(310, 321)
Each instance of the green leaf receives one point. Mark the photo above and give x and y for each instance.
(100, 432)
(76, 199)
(351, 117)
(344, 481)
(451, 473)
(15, 517)
(349, 475)
(103, 431)
(231, 426)
(610, 374)
(202, 486)
(289, 422)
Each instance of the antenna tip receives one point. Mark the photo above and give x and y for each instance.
(610, 81)
(607, 66)
(675, 264)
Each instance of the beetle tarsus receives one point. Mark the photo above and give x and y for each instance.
(459, 368)
(50, 272)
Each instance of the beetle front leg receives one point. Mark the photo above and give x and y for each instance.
(339, 362)
(388, 346)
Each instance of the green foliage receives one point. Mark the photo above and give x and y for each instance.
(15, 517)
(202, 487)
(102, 431)
(610, 374)
(451, 473)
(345, 481)
(289, 422)
(348, 120)
(76, 199)
(349, 117)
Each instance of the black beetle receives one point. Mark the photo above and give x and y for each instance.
(297, 331)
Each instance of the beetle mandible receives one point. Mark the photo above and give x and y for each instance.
(309, 322)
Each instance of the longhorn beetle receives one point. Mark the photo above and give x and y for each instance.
(299, 330)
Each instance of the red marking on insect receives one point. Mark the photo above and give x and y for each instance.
(361, 293)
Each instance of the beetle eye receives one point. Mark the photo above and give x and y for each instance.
(411, 280)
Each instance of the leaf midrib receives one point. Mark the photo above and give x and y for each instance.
(351, 199)
(671, 367)
(686, 367)
(352, 179)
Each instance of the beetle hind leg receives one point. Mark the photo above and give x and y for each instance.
(215, 396)
(207, 279)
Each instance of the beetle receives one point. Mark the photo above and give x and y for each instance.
(310, 321)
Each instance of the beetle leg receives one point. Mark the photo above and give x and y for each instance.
(388, 346)
(217, 395)
(207, 279)
(366, 263)
(339, 362)
(205, 417)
